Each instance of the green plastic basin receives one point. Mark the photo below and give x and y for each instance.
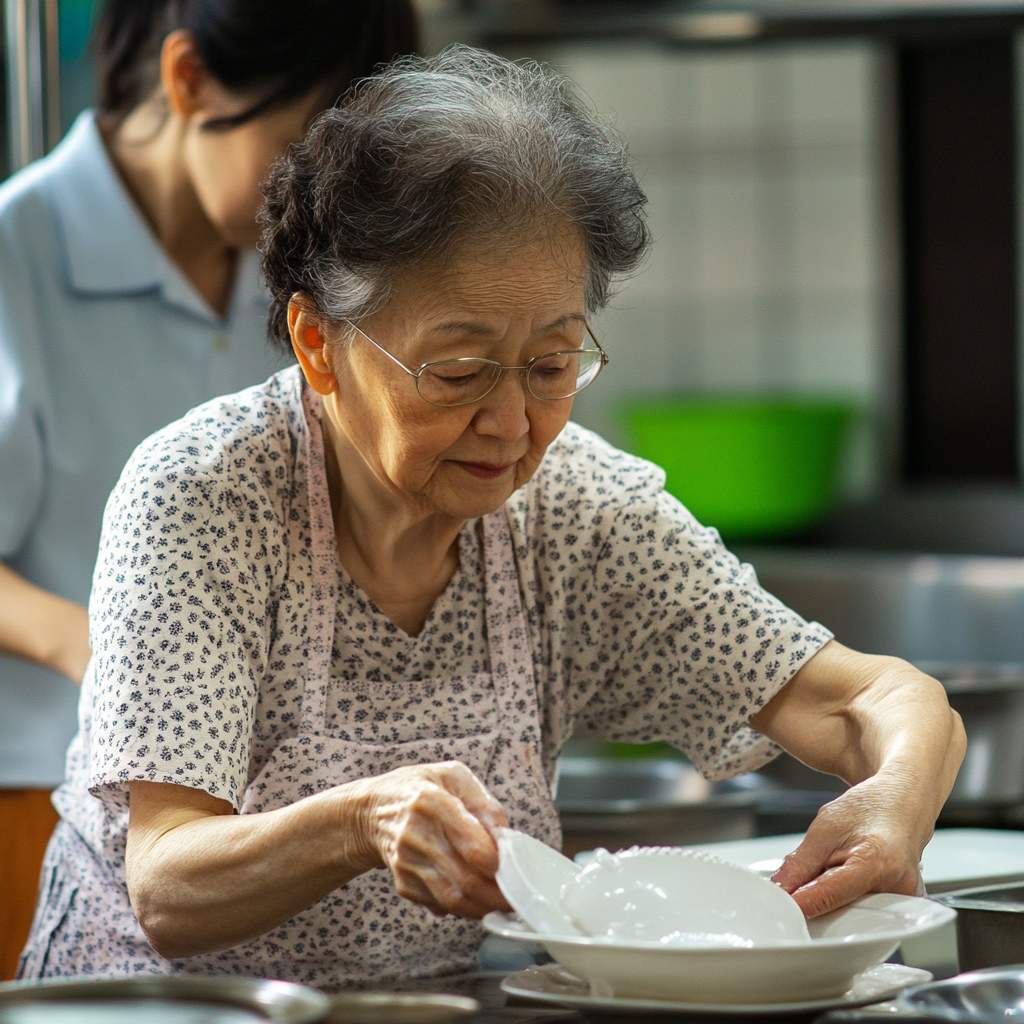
(752, 467)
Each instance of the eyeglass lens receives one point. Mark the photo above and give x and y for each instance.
(461, 381)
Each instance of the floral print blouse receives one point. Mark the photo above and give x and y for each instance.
(642, 626)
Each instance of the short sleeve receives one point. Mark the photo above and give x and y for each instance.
(179, 618)
(645, 626)
(705, 649)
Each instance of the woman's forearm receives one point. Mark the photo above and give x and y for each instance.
(202, 878)
(854, 715)
(42, 627)
(888, 730)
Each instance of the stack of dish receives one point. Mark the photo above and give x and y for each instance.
(670, 927)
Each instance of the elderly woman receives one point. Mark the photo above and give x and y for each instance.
(344, 622)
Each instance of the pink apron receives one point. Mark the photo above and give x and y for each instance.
(363, 932)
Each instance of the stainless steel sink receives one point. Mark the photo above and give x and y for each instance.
(619, 803)
(958, 617)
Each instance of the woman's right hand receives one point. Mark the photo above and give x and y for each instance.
(431, 826)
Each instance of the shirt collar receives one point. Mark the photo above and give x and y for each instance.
(109, 248)
(107, 244)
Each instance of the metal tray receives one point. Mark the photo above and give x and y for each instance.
(157, 996)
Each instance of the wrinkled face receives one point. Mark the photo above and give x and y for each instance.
(464, 461)
(226, 167)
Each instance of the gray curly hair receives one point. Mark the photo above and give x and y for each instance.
(435, 154)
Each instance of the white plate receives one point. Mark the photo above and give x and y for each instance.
(554, 984)
(531, 876)
(844, 943)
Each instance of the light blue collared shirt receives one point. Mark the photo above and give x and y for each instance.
(103, 340)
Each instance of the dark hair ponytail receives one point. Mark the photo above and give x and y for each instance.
(284, 48)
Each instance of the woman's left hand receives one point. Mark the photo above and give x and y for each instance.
(888, 730)
(859, 843)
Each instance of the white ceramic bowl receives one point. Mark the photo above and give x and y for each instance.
(675, 895)
(531, 876)
(842, 945)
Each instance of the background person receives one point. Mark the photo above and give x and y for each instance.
(345, 621)
(129, 293)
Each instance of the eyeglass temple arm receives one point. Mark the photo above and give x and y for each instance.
(605, 358)
(397, 362)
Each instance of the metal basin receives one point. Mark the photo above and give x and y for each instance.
(615, 803)
(989, 925)
(958, 617)
(595, 785)
(985, 996)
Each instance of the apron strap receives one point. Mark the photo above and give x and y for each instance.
(508, 639)
(321, 607)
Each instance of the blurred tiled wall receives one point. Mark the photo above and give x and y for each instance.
(761, 167)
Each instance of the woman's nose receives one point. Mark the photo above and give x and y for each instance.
(502, 411)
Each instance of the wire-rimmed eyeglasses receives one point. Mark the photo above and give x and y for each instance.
(550, 377)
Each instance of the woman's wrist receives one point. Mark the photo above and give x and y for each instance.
(905, 732)
(353, 808)
(921, 738)
(926, 772)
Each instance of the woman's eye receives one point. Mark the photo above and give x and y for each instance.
(553, 366)
(456, 374)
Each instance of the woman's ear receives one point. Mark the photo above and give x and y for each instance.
(308, 344)
(182, 74)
